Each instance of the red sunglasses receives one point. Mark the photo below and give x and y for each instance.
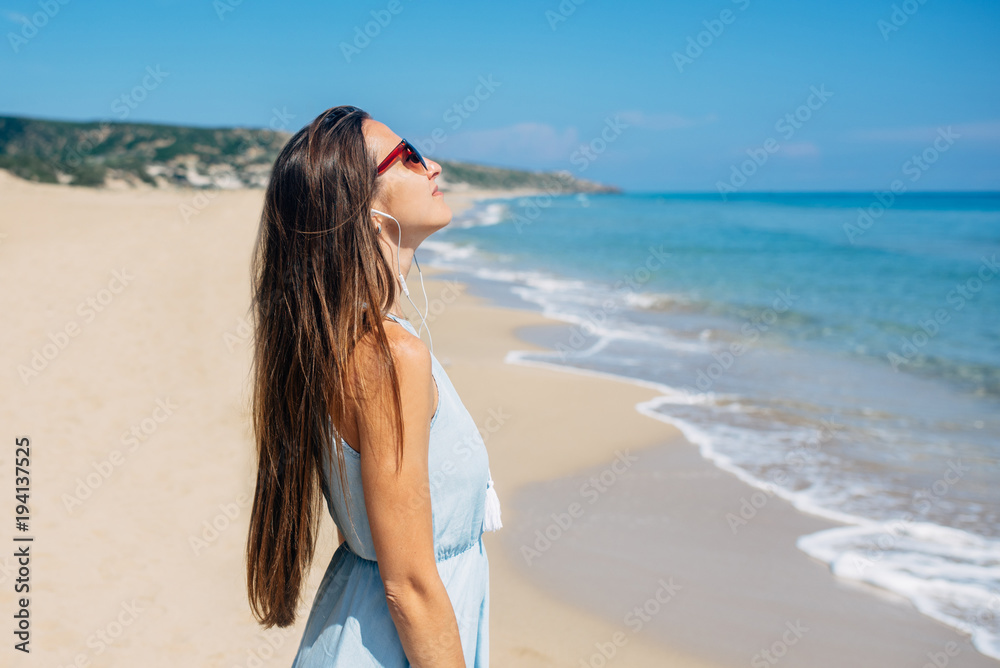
(409, 153)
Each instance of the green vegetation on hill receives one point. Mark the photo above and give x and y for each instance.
(88, 154)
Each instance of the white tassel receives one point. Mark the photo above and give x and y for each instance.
(491, 518)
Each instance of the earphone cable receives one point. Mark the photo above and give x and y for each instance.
(402, 281)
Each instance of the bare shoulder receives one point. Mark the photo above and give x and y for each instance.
(370, 383)
(409, 354)
(405, 346)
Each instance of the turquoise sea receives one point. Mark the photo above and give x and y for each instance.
(832, 349)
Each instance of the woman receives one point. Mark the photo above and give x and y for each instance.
(348, 400)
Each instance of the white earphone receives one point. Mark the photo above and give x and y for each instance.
(402, 282)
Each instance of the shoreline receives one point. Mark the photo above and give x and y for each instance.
(894, 617)
(167, 525)
(748, 585)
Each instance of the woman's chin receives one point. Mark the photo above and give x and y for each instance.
(447, 213)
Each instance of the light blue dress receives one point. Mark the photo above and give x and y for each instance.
(349, 624)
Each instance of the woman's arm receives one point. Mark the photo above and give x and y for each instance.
(399, 508)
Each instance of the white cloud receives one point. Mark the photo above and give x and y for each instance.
(521, 143)
(799, 149)
(14, 17)
(984, 130)
(663, 121)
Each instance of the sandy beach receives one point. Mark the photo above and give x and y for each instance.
(125, 350)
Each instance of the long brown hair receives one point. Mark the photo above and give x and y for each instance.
(316, 268)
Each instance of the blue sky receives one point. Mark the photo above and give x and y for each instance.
(664, 96)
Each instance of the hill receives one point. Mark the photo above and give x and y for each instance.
(96, 153)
